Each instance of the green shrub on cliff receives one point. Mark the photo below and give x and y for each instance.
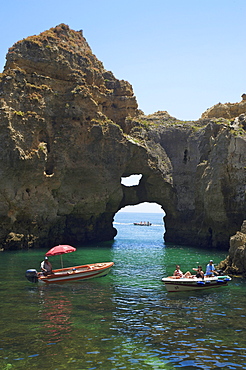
(19, 113)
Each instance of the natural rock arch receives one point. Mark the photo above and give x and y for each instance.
(70, 130)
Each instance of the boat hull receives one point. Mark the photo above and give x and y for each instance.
(75, 273)
(186, 284)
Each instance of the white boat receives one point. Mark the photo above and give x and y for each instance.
(174, 284)
(74, 273)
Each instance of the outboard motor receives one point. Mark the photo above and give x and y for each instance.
(32, 275)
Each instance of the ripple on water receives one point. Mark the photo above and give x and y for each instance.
(126, 320)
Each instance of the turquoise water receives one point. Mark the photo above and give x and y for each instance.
(126, 320)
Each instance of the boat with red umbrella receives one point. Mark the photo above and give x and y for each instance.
(74, 273)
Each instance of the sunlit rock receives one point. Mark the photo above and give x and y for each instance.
(235, 263)
(70, 131)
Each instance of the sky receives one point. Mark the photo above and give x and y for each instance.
(181, 56)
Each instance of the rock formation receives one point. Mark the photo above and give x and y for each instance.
(207, 176)
(235, 263)
(227, 110)
(70, 130)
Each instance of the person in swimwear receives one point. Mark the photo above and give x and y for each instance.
(179, 274)
(199, 272)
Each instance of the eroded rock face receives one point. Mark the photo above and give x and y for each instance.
(207, 176)
(235, 263)
(226, 110)
(70, 130)
(61, 142)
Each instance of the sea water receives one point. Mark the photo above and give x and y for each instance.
(126, 320)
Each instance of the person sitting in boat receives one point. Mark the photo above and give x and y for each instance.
(199, 272)
(179, 274)
(46, 266)
(210, 269)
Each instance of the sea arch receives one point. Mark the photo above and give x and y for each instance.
(143, 214)
(147, 188)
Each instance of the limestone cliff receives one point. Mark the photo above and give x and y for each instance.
(226, 110)
(235, 263)
(70, 130)
(208, 176)
(61, 140)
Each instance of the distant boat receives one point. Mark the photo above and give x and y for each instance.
(142, 223)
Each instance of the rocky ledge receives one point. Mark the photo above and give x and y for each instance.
(226, 110)
(70, 131)
(235, 263)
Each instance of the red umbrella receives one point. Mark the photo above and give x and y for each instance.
(60, 249)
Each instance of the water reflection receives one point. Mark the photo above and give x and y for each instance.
(126, 320)
(55, 314)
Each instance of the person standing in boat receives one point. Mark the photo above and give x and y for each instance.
(210, 269)
(46, 266)
(179, 274)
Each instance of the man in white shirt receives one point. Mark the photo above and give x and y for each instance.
(46, 266)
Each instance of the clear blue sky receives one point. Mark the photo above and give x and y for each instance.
(182, 56)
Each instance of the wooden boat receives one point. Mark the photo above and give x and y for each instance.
(142, 223)
(174, 284)
(74, 273)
